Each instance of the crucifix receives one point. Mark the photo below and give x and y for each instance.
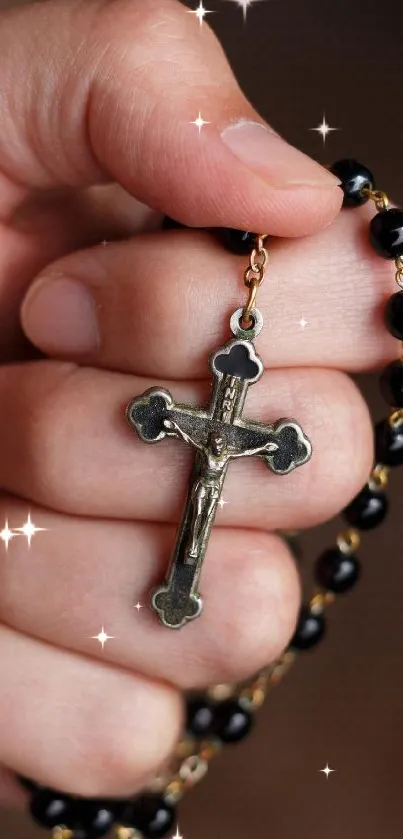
(218, 434)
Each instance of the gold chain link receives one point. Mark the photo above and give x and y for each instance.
(399, 271)
(379, 197)
(192, 759)
(253, 276)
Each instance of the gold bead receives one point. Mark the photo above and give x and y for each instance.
(395, 419)
(281, 666)
(174, 790)
(62, 833)
(126, 833)
(220, 692)
(348, 541)
(209, 749)
(193, 769)
(254, 698)
(254, 694)
(378, 478)
(319, 600)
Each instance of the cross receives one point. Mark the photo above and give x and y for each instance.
(219, 434)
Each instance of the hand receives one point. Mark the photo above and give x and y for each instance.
(85, 120)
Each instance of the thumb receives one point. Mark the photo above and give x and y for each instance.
(109, 90)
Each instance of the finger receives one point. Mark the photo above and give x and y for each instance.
(11, 792)
(45, 226)
(249, 585)
(113, 728)
(115, 110)
(64, 438)
(317, 311)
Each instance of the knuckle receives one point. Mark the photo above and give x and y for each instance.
(117, 759)
(341, 421)
(260, 616)
(50, 428)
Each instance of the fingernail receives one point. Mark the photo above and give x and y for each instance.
(275, 160)
(60, 314)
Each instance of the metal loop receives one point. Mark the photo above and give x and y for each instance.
(193, 769)
(249, 333)
(252, 274)
(250, 303)
(260, 254)
(399, 271)
(379, 198)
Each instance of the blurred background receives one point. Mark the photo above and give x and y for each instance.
(342, 703)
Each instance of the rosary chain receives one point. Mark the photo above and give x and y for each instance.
(253, 276)
(252, 693)
(191, 759)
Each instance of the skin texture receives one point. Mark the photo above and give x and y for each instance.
(95, 145)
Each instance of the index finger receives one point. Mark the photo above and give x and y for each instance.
(114, 95)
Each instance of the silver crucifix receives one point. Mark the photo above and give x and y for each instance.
(218, 434)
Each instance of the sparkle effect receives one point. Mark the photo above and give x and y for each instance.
(303, 323)
(324, 129)
(327, 771)
(222, 502)
(177, 834)
(244, 5)
(138, 606)
(6, 534)
(199, 122)
(29, 529)
(200, 12)
(102, 637)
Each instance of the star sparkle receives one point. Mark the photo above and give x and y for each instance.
(177, 834)
(303, 323)
(199, 122)
(104, 243)
(327, 771)
(102, 637)
(200, 12)
(244, 5)
(324, 129)
(6, 534)
(138, 606)
(221, 503)
(29, 529)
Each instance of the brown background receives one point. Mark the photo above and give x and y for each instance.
(342, 703)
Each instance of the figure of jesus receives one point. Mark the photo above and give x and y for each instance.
(205, 492)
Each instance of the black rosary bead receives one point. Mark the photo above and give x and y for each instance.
(150, 814)
(354, 176)
(50, 809)
(240, 242)
(97, 816)
(309, 630)
(367, 509)
(386, 233)
(200, 716)
(232, 722)
(391, 384)
(337, 571)
(394, 315)
(389, 443)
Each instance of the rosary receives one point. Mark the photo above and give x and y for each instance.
(218, 434)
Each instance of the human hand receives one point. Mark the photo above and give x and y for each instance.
(104, 102)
